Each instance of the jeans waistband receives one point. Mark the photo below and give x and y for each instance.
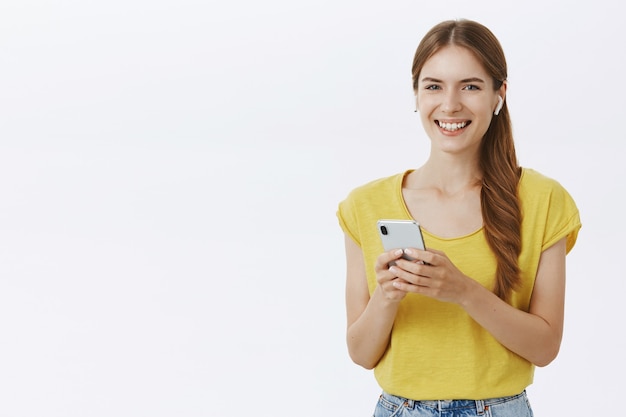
(442, 405)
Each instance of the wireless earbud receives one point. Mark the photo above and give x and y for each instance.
(499, 106)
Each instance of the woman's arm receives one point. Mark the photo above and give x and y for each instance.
(535, 335)
(370, 320)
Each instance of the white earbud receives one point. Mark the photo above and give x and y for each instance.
(499, 106)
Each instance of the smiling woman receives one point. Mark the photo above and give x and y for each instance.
(469, 317)
(459, 102)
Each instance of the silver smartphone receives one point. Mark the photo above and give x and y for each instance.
(401, 234)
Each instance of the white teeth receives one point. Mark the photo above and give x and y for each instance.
(452, 126)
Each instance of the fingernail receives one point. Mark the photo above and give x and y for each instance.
(398, 252)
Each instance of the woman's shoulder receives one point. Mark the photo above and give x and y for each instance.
(546, 202)
(538, 189)
(535, 182)
(380, 198)
(378, 186)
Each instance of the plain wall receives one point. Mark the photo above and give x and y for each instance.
(170, 172)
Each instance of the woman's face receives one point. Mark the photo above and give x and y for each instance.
(456, 100)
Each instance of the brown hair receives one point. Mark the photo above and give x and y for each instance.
(501, 173)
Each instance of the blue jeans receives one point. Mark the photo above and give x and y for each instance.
(392, 406)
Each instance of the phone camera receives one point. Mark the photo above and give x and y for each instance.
(383, 230)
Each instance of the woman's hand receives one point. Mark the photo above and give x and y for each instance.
(431, 274)
(387, 277)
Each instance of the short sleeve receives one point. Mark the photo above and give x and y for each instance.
(563, 218)
(348, 219)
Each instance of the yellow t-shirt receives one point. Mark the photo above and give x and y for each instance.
(437, 351)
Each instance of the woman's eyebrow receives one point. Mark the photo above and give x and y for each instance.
(465, 80)
(431, 80)
(473, 80)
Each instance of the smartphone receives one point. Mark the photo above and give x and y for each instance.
(401, 234)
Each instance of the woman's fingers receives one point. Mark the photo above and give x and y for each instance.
(426, 256)
(386, 258)
(415, 273)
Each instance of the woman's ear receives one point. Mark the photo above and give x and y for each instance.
(501, 96)
(499, 106)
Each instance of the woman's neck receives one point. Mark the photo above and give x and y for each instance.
(448, 178)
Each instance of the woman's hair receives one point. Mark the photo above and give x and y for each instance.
(500, 205)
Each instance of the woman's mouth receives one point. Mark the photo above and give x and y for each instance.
(452, 127)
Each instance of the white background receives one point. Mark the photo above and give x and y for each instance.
(170, 171)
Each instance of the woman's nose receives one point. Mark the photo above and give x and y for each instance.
(451, 102)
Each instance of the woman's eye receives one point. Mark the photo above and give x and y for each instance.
(432, 87)
(471, 87)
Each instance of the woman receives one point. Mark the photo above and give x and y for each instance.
(483, 304)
